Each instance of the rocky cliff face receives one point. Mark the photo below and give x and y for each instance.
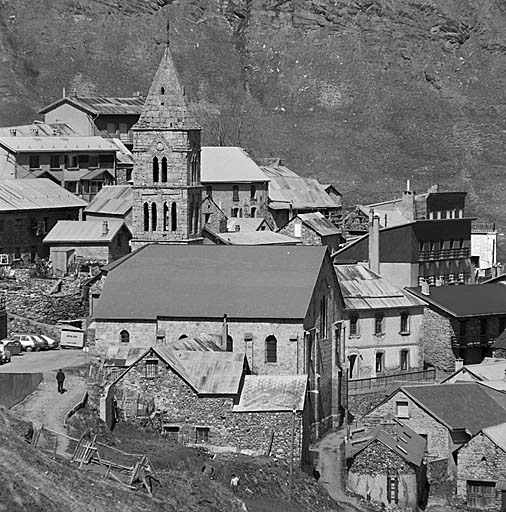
(362, 93)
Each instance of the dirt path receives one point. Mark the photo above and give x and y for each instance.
(45, 406)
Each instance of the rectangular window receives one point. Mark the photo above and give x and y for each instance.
(253, 191)
(171, 432)
(354, 330)
(402, 409)
(379, 362)
(392, 489)
(54, 161)
(404, 322)
(235, 193)
(151, 368)
(480, 495)
(323, 317)
(34, 162)
(201, 434)
(404, 363)
(83, 161)
(379, 324)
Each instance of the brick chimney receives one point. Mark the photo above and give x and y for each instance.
(374, 256)
(105, 228)
(407, 204)
(459, 363)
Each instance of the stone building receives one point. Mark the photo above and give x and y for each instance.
(28, 211)
(276, 304)
(73, 242)
(213, 216)
(386, 467)
(209, 398)
(313, 229)
(381, 326)
(234, 181)
(491, 371)
(461, 322)
(166, 178)
(112, 203)
(481, 470)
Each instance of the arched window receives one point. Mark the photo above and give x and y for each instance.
(164, 170)
(156, 170)
(124, 336)
(153, 216)
(196, 213)
(165, 217)
(173, 217)
(162, 91)
(209, 191)
(182, 336)
(146, 217)
(271, 349)
(353, 366)
(253, 212)
(230, 344)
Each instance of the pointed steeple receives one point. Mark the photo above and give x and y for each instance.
(166, 107)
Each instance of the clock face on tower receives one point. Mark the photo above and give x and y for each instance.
(160, 146)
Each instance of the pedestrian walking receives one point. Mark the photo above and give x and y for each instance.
(60, 378)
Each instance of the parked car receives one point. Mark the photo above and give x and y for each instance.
(30, 342)
(52, 344)
(5, 355)
(13, 346)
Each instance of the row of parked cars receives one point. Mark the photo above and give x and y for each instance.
(18, 343)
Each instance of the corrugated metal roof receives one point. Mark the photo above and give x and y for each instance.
(318, 223)
(203, 342)
(122, 356)
(27, 130)
(277, 170)
(57, 144)
(35, 194)
(229, 165)
(264, 393)
(112, 200)
(247, 224)
(364, 289)
(255, 238)
(101, 105)
(208, 281)
(74, 231)
(497, 434)
(487, 371)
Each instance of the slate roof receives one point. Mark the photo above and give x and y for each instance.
(55, 144)
(264, 393)
(203, 342)
(100, 105)
(318, 223)
(112, 200)
(208, 281)
(490, 370)
(229, 165)
(461, 405)
(266, 237)
(168, 111)
(122, 356)
(497, 434)
(403, 441)
(363, 289)
(467, 301)
(82, 232)
(35, 194)
(247, 224)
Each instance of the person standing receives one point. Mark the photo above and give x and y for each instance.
(60, 378)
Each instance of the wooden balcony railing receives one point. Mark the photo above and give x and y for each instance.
(463, 342)
(445, 254)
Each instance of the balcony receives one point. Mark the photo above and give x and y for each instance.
(444, 254)
(464, 342)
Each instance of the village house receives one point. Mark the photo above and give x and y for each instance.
(278, 305)
(113, 202)
(75, 242)
(461, 322)
(290, 194)
(38, 129)
(481, 470)
(28, 211)
(234, 181)
(313, 229)
(213, 217)
(386, 467)
(248, 237)
(245, 224)
(489, 372)
(209, 398)
(381, 325)
(82, 165)
(105, 116)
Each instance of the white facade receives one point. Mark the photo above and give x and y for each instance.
(484, 245)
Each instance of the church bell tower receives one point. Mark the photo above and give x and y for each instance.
(166, 175)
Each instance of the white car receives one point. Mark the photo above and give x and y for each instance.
(30, 343)
(52, 344)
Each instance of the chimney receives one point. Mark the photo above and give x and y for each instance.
(425, 289)
(64, 92)
(459, 363)
(13, 132)
(224, 335)
(374, 257)
(237, 227)
(105, 228)
(407, 204)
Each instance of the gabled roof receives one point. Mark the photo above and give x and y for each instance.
(458, 406)
(208, 281)
(166, 107)
(318, 223)
(54, 144)
(266, 237)
(82, 232)
(35, 194)
(489, 370)
(497, 434)
(38, 128)
(403, 441)
(100, 105)
(264, 393)
(247, 224)
(229, 165)
(112, 200)
(466, 301)
(363, 289)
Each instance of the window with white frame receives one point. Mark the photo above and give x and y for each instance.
(379, 324)
(402, 409)
(354, 325)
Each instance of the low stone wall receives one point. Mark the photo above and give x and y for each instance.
(15, 387)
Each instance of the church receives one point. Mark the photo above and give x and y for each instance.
(166, 175)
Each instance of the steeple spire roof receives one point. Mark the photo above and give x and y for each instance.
(166, 107)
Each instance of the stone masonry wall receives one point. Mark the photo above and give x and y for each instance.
(186, 410)
(436, 341)
(480, 459)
